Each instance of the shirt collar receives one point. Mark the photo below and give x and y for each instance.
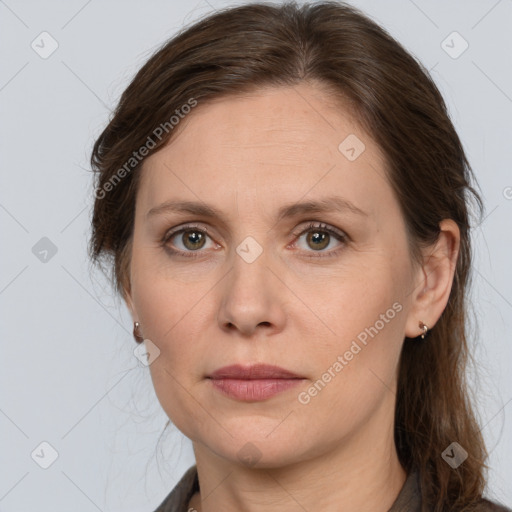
(408, 499)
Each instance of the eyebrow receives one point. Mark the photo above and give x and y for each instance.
(322, 205)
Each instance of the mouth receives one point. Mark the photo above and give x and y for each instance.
(253, 383)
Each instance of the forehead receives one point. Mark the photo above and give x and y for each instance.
(273, 145)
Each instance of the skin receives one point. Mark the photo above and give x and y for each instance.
(248, 156)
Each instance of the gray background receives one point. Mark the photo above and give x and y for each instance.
(68, 373)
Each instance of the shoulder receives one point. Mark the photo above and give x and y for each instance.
(178, 499)
(411, 498)
(486, 505)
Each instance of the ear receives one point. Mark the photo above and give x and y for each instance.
(127, 297)
(433, 279)
(125, 278)
(129, 303)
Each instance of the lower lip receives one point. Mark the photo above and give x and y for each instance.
(253, 390)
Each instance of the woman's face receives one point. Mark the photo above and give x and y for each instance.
(330, 303)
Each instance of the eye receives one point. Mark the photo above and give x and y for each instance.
(319, 236)
(192, 239)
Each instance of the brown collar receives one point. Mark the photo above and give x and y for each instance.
(408, 500)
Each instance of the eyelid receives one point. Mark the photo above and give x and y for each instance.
(173, 231)
(321, 226)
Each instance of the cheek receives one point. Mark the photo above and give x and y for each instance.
(355, 375)
(353, 302)
(168, 321)
(355, 362)
(166, 300)
(171, 314)
(172, 318)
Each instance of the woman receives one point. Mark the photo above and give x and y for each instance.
(285, 204)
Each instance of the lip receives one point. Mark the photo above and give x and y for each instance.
(253, 383)
(252, 372)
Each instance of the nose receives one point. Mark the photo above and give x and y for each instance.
(253, 299)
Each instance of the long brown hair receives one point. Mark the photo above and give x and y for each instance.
(395, 100)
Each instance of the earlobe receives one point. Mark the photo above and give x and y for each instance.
(430, 297)
(137, 335)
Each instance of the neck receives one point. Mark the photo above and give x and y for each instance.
(364, 474)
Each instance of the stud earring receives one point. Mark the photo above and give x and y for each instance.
(136, 335)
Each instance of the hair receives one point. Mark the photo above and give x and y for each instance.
(245, 48)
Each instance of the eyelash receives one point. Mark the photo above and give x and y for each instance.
(339, 235)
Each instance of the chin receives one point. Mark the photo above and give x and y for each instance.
(255, 448)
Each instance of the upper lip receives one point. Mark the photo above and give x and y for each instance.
(254, 371)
